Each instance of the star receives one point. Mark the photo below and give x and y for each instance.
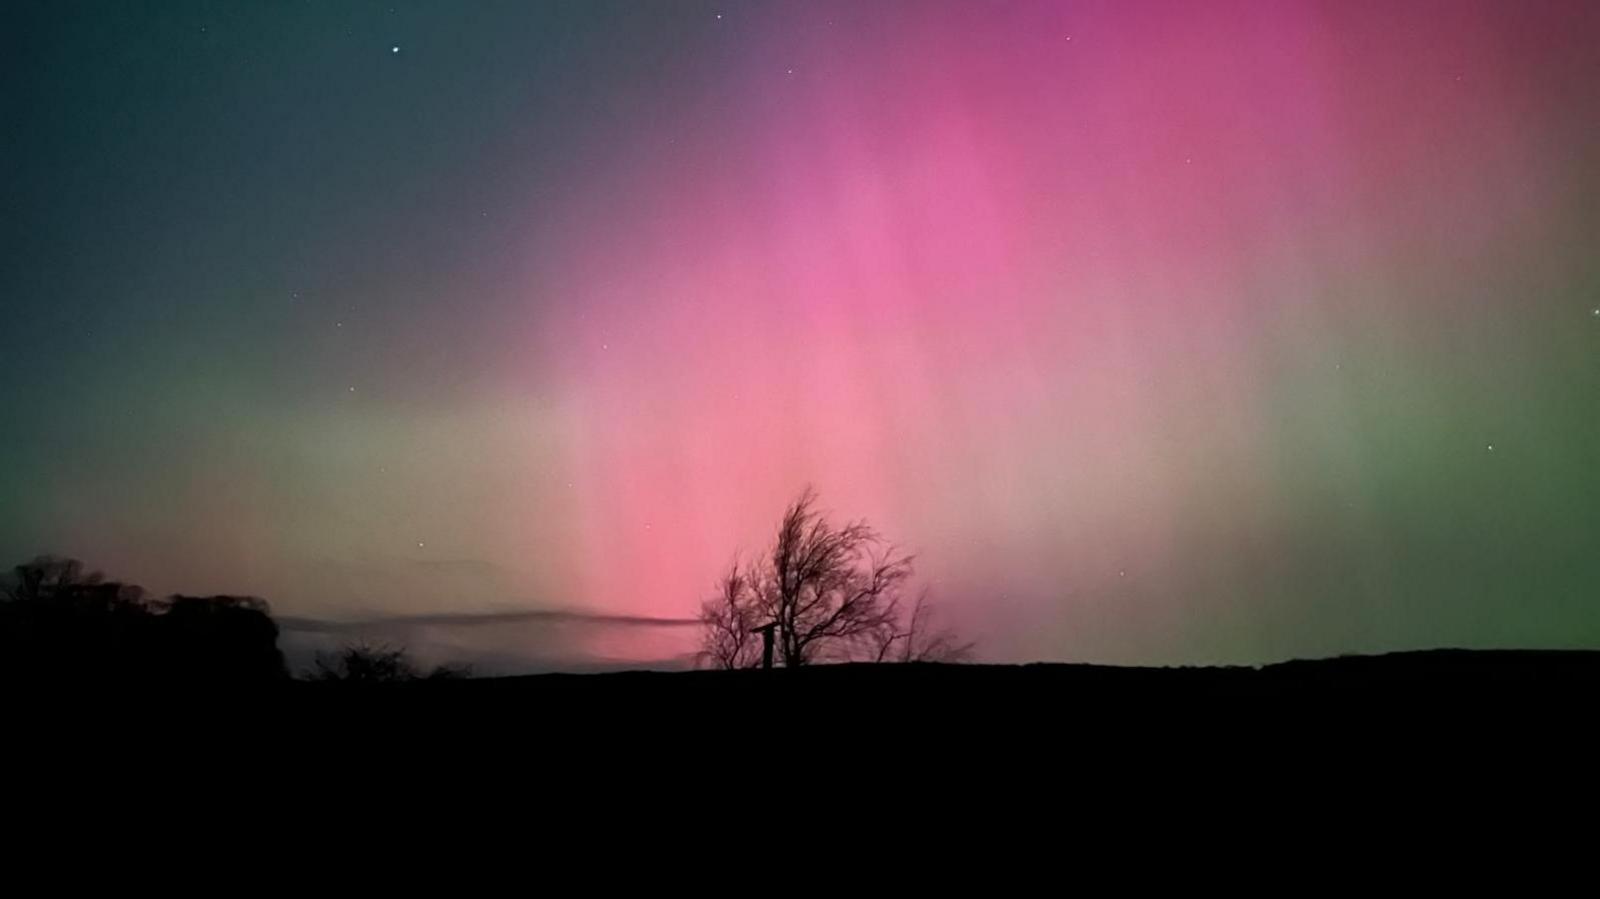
(352, 390)
(719, 15)
(1491, 447)
(1596, 312)
(394, 49)
(420, 544)
(338, 324)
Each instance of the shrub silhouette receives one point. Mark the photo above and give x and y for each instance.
(366, 663)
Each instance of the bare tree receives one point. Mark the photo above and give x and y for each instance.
(830, 589)
(832, 593)
(921, 640)
(727, 619)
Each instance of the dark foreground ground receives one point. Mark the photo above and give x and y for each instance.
(965, 701)
(1443, 678)
(1443, 672)
(1442, 675)
(1483, 727)
(1015, 696)
(1458, 720)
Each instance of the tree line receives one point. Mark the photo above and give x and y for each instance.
(60, 622)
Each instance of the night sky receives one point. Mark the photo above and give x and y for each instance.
(1161, 332)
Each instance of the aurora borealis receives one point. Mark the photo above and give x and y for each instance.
(1161, 332)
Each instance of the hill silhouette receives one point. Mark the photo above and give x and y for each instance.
(1450, 675)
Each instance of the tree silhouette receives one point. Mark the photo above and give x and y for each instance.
(831, 593)
(66, 584)
(921, 640)
(227, 637)
(728, 620)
